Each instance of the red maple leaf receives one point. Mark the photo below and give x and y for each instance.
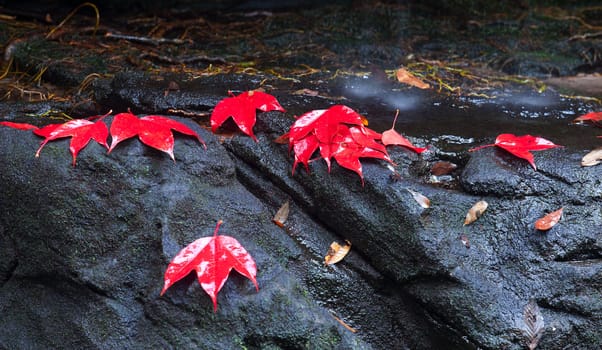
(520, 146)
(338, 133)
(350, 147)
(594, 117)
(81, 132)
(153, 130)
(242, 109)
(392, 137)
(323, 122)
(212, 258)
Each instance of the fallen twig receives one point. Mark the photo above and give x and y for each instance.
(185, 113)
(144, 39)
(183, 60)
(73, 13)
(12, 14)
(585, 36)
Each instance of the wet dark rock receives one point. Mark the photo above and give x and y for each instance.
(581, 84)
(479, 292)
(98, 237)
(144, 92)
(84, 249)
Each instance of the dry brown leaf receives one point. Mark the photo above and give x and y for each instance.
(282, 139)
(443, 168)
(465, 241)
(282, 214)
(403, 76)
(306, 92)
(420, 199)
(535, 324)
(336, 252)
(475, 212)
(173, 86)
(549, 221)
(314, 93)
(592, 158)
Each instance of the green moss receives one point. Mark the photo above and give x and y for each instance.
(325, 340)
(38, 51)
(240, 343)
(94, 64)
(4, 32)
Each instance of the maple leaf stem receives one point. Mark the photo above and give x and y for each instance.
(100, 117)
(219, 223)
(395, 119)
(480, 147)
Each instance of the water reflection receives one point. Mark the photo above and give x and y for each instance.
(447, 119)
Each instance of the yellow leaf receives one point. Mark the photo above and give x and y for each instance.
(403, 76)
(282, 214)
(475, 212)
(592, 158)
(420, 199)
(336, 253)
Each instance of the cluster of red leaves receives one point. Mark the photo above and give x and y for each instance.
(339, 133)
(154, 131)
